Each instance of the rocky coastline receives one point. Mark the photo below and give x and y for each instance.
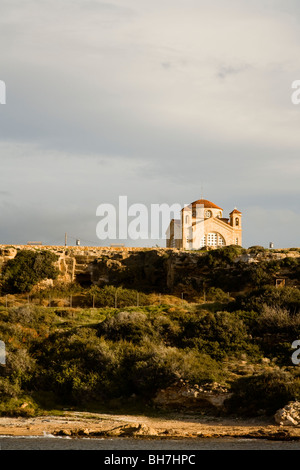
(170, 426)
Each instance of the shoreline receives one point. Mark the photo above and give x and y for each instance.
(171, 426)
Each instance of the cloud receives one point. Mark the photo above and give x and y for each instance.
(149, 99)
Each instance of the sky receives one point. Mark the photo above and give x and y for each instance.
(161, 101)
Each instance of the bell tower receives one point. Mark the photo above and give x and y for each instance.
(236, 223)
(235, 219)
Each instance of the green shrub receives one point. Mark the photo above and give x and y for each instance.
(217, 334)
(111, 296)
(274, 330)
(129, 326)
(147, 367)
(28, 268)
(263, 393)
(256, 249)
(221, 257)
(284, 297)
(8, 389)
(216, 294)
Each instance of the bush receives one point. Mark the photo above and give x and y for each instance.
(129, 357)
(274, 330)
(109, 296)
(219, 335)
(129, 326)
(284, 297)
(28, 268)
(222, 257)
(216, 294)
(263, 393)
(150, 367)
(256, 249)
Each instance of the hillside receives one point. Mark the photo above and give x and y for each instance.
(112, 328)
(169, 271)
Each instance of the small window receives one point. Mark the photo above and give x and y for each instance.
(236, 241)
(237, 221)
(187, 219)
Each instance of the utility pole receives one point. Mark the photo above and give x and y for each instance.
(65, 239)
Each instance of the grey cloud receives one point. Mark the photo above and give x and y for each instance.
(151, 100)
(227, 70)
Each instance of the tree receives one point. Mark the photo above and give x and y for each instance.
(27, 269)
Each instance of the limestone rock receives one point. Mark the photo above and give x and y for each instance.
(129, 430)
(182, 395)
(160, 269)
(289, 415)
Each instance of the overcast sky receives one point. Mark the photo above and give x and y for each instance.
(162, 101)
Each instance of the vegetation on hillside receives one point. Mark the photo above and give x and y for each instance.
(28, 268)
(133, 343)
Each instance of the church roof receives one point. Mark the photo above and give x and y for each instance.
(206, 204)
(235, 211)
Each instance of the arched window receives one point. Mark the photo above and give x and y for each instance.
(213, 239)
(187, 219)
(237, 221)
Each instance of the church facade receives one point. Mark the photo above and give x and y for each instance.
(202, 224)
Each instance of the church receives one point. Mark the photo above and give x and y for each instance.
(202, 224)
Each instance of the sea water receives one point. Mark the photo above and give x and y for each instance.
(49, 442)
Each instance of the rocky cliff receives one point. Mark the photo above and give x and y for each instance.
(148, 269)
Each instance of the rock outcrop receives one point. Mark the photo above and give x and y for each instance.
(182, 395)
(164, 270)
(289, 415)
